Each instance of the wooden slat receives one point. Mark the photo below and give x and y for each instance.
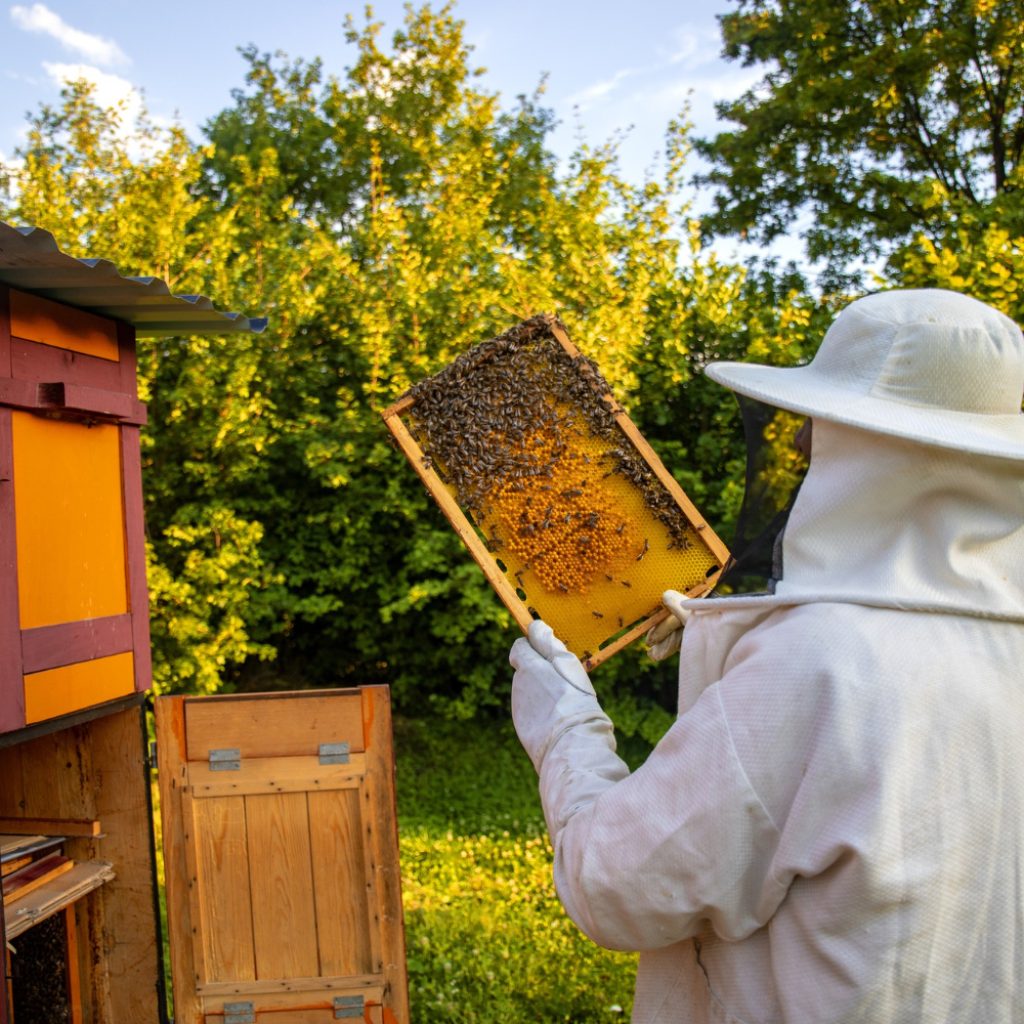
(132, 956)
(339, 984)
(275, 775)
(135, 553)
(12, 695)
(339, 883)
(70, 521)
(41, 364)
(172, 776)
(280, 1006)
(282, 908)
(35, 875)
(50, 826)
(301, 722)
(383, 837)
(47, 647)
(53, 323)
(59, 691)
(55, 895)
(222, 884)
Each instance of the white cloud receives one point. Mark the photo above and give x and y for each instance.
(94, 48)
(109, 90)
(599, 90)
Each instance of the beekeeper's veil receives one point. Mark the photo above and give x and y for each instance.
(915, 492)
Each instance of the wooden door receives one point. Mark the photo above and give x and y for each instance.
(281, 858)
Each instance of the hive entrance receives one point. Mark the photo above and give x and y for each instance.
(566, 501)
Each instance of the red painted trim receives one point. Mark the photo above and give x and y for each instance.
(135, 549)
(48, 647)
(45, 363)
(77, 398)
(5, 333)
(12, 693)
(127, 359)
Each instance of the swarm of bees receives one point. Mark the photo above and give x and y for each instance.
(566, 508)
(508, 425)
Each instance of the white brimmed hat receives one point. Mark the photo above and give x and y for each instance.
(929, 365)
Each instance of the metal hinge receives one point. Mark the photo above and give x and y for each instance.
(239, 1013)
(334, 753)
(227, 759)
(347, 1006)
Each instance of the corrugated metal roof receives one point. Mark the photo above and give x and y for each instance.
(31, 260)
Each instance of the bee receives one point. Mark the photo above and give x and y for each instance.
(597, 615)
(626, 583)
(643, 550)
(620, 528)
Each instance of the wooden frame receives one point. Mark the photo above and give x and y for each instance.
(234, 837)
(95, 381)
(109, 894)
(393, 418)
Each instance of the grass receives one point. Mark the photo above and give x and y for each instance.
(487, 941)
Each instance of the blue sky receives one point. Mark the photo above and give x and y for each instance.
(610, 66)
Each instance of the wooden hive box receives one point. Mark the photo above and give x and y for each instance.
(282, 868)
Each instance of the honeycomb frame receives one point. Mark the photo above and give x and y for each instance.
(613, 602)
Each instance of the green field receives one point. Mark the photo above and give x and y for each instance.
(487, 940)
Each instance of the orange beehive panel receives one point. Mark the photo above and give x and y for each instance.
(568, 510)
(34, 318)
(69, 520)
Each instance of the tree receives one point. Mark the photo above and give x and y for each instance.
(880, 119)
(386, 220)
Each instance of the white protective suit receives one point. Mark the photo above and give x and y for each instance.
(833, 829)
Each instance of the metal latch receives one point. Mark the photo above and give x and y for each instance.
(239, 1013)
(347, 1006)
(334, 753)
(227, 759)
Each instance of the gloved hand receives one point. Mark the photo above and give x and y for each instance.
(665, 638)
(551, 691)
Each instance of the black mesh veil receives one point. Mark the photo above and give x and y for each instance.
(775, 470)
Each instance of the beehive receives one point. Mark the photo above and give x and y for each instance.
(566, 508)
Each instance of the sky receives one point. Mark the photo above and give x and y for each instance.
(610, 67)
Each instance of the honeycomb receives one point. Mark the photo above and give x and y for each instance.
(522, 433)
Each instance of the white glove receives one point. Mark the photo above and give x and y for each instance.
(551, 691)
(665, 637)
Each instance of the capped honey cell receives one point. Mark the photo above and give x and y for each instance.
(567, 509)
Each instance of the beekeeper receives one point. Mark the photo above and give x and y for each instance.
(833, 828)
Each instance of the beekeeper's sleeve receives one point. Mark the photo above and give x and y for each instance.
(648, 859)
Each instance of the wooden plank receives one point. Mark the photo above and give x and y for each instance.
(301, 722)
(172, 777)
(276, 1005)
(58, 691)
(50, 826)
(275, 775)
(382, 812)
(72, 399)
(69, 520)
(125, 908)
(343, 916)
(222, 888)
(35, 318)
(47, 647)
(56, 895)
(282, 889)
(74, 974)
(346, 982)
(41, 364)
(135, 553)
(12, 697)
(36, 875)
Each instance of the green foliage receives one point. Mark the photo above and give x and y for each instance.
(879, 119)
(487, 939)
(385, 220)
